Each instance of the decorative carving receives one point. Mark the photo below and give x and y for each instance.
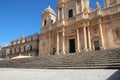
(71, 32)
(95, 28)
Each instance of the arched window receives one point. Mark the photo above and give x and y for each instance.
(45, 22)
(70, 13)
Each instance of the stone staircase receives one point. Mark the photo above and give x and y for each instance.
(105, 59)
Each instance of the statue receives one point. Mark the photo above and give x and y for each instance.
(97, 5)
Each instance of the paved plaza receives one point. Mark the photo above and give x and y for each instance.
(45, 74)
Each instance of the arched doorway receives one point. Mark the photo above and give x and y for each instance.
(96, 43)
(71, 45)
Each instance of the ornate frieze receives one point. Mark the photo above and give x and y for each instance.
(71, 32)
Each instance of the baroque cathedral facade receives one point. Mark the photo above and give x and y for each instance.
(74, 29)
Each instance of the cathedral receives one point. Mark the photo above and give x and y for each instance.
(75, 28)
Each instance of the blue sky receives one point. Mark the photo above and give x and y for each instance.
(23, 17)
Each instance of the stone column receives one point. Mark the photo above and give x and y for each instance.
(85, 38)
(63, 41)
(78, 41)
(49, 43)
(57, 43)
(101, 34)
(62, 11)
(89, 38)
(58, 14)
(76, 7)
(81, 6)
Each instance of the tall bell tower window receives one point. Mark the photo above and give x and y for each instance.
(45, 22)
(70, 13)
(60, 13)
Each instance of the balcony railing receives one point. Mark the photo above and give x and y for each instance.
(111, 10)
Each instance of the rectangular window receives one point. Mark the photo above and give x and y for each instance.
(70, 13)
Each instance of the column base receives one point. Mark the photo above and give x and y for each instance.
(89, 49)
(48, 54)
(78, 51)
(85, 49)
(63, 52)
(57, 53)
(102, 48)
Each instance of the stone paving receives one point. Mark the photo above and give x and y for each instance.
(52, 74)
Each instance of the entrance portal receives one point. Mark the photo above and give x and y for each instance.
(96, 45)
(54, 51)
(72, 45)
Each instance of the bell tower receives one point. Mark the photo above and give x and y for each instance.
(48, 18)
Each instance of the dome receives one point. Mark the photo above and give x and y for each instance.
(49, 10)
(22, 37)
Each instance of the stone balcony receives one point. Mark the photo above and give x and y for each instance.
(92, 15)
(69, 21)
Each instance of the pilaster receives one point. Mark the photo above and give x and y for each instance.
(63, 41)
(78, 41)
(85, 37)
(57, 44)
(101, 35)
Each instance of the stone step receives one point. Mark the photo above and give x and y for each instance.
(98, 59)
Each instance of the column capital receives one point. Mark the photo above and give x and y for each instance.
(99, 21)
(63, 5)
(84, 24)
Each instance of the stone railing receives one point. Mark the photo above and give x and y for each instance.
(69, 21)
(26, 39)
(92, 15)
(60, 23)
(78, 17)
(111, 10)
